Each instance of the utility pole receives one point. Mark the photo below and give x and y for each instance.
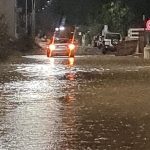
(26, 16)
(15, 17)
(33, 18)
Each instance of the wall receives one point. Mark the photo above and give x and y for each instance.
(126, 48)
(7, 7)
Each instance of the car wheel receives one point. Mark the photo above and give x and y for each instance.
(71, 54)
(104, 51)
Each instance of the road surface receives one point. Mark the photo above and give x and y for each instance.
(86, 103)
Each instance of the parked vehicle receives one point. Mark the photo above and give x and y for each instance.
(95, 41)
(111, 40)
(107, 41)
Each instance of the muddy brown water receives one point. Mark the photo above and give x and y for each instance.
(86, 103)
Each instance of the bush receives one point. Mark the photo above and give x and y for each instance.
(24, 44)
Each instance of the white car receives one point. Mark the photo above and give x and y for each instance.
(61, 47)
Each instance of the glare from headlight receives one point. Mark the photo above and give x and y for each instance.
(71, 46)
(52, 47)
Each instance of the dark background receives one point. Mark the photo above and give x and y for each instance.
(88, 12)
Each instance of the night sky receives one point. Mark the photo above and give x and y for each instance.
(77, 7)
(78, 11)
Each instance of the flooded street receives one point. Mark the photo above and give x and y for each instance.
(86, 103)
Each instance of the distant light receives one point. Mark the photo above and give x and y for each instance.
(71, 46)
(43, 8)
(62, 28)
(49, 1)
(80, 33)
(56, 29)
(71, 61)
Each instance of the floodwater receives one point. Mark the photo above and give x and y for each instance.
(86, 103)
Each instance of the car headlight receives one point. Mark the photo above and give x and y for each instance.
(71, 46)
(52, 47)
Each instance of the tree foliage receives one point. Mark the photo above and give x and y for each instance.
(116, 15)
(95, 13)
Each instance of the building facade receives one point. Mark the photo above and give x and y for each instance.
(8, 9)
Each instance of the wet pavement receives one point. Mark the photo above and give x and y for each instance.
(86, 103)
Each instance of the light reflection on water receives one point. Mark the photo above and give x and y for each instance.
(34, 121)
(52, 108)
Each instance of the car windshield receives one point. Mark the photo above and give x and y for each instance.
(66, 33)
(63, 40)
(113, 36)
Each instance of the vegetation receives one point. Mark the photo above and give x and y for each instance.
(117, 15)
